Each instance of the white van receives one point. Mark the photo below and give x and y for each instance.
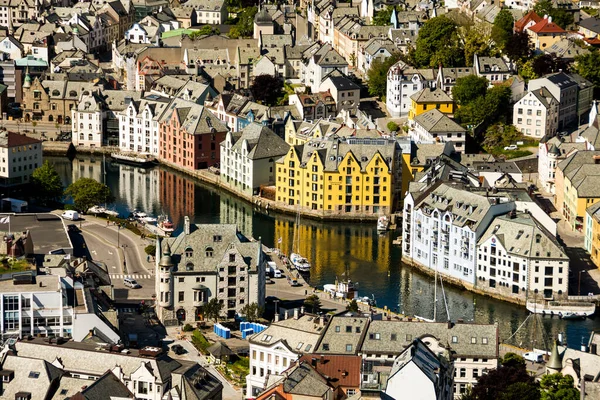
(71, 215)
(277, 274)
(132, 283)
(535, 357)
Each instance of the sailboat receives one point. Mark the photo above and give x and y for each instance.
(434, 319)
(296, 259)
(99, 209)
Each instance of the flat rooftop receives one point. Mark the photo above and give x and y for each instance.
(41, 283)
(47, 231)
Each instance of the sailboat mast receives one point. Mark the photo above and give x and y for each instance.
(435, 295)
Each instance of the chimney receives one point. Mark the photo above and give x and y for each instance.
(296, 313)
(596, 159)
(302, 310)
(313, 362)
(322, 359)
(186, 225)
(450, 325)
(322, 320)
(277, 317)
(286, 315)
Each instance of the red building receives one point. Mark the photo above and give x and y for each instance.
(190, 135)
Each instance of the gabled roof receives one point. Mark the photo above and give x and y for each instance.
(430, 95)
(108, 386)
(546, 26)
(591, 24)
(434, 121)
(262, 142)
(527, 18)
(340, 370)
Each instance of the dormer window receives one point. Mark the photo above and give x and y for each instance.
(7, 375)
(209, 252)
(217, 238)
(189, 252)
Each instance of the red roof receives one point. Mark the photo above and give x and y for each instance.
(546, 26)
(16, 139)
(340, 370)
(530, 16)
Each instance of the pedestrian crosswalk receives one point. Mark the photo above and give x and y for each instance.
(134, 276)
(127, 310)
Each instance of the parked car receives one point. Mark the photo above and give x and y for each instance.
(277, 274)
(177, 349)
(535, 357)
(132, 283)
(511, 147)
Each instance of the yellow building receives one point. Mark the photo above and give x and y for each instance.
(429, 99)
(577, 184)
(592, 233)
(300, 132)
(358, 175)
(545, 33)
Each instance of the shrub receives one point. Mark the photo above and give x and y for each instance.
(188, 328)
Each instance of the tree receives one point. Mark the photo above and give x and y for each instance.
(206, 30)
(252, 312)
(245, 25)
(87, 192)
(588, 66)
(510, 381)
(150, 250)
(314, 302)
(266, 89)
(392, 126)
(477, 39)
(559, 16)
(377, 75)
(487, 109)
(518, 47)
(212, 309)
(437, 44)
(46, 184)
(503, 28)
(469, 88)
(383, 16)
(353, 306)
(558, 387)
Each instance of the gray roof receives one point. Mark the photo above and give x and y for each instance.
(566, 48)
(438, 122)
(262, 142)
(430, 95)
(303, 380)
(31, 375)
(298, 335)
(108, 386)
(591, 23)
(343, 83)
(373, 46)
(583, 172)
(221, 238)
(544, 96)
(194, 118)
(276, 40)
(406, 331)
(327, 56)
(519, 236)
(344, 334)
(492, 64)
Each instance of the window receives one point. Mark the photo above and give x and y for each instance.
(348, 347)
(209, 252)
(232, 258)
(484, 340)
(181, 296)
(348, 329)
(393, 338)
(34, 374)
(337, 328)
(454, 339)
(326, 346)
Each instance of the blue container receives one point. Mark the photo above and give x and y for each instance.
(246, 333)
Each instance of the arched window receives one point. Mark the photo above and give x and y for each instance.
(90, 137)
(81, 125)
(72, 93)
(538, 238)
(189, 252)
(209, 252)
(55, 93)
(89, 126)
(189, 267)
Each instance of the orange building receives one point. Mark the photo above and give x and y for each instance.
(190, 135)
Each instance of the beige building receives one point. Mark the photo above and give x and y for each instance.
(20, 156)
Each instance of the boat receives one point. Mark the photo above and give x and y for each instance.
(570, 315)
(140, 160)
(344, 289)
(102, 210)
(165, 224)
(138, 214)
(383, 223)
(368, 300)
(299, 262)
(555, 307)
(148, 220)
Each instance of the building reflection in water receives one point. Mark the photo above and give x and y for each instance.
(177, 196)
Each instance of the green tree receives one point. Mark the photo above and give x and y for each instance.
(353, 306)
(438, 43)
(392, 126)
(383, 16)
(469, 88)
(206, 30)
(314, 302)
(518, 47)
(510, 381)
(558, 387)
(500, 135)
(503, 28)
(559, 16)
(46, 184)
(588, 66)
(512, 360)
(245, 25)
(150, 250)
(252, 312)
(477, 39)
(87, 192)
(377, 75)
(487, 109)
(212, 309)
(267, 89)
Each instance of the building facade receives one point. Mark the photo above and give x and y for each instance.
(536, 114)
(87, 121)
(434, 126)
(207, 262)
(21, 155)
(139, 124)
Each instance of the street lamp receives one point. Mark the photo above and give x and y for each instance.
(579, 284)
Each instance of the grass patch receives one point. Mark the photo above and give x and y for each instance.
(14, 265)
(200, 342)
(509, 154)
(241, 366)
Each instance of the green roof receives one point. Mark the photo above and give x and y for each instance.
(31, 61)
(177, 32)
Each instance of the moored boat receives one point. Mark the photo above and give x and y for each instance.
(141, 160)
(344, 289)
(299, 262)
(165, 224)
(582, 309)
(570, 315)
(383, 223)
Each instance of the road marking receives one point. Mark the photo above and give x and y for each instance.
(94, 252)
(109, 253)
(132, 276)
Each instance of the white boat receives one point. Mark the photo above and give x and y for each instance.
(345, 289)
(148, 220)
(562, 308)
(139, 214)
(102, 210)
(383, 223)
(141, 160)
(299, 262)
(165, 224)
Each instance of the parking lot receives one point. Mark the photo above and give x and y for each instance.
(47, 231)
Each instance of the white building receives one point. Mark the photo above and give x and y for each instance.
(20, 156)
(442, 224)
(550, 153)
(138, 125)
(536, 114)
(494, 69)
(434, 126)
(320, 64)
(402, 82)
(87, 121)
(565, 90)
(418, 373)
(212, 12)
(474, 347)
(207, 262)
(137, 34)
(346, 93)
(518, 258)
(248, 160)
(12, 47)
(374, 49)
(273, 350)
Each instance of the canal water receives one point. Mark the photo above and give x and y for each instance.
(334, 249)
